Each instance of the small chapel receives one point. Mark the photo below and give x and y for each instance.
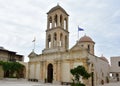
(54, 63)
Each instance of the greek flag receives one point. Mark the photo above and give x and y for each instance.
(80, 29)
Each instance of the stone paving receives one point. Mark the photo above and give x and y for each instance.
(112, 84)
(23, 82)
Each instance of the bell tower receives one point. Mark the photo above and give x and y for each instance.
(57, 35)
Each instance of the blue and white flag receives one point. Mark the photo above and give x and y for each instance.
(80, 29)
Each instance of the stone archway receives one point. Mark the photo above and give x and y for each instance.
(49, 73)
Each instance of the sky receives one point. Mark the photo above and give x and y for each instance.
(22, 20)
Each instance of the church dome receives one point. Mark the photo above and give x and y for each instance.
(103, 58)
(86, 39)
(56, 8)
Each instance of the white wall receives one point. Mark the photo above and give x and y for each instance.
(31, 76)
(66, 72)
(37, 74)
(114, 64)
(101, 69)
(77, 64)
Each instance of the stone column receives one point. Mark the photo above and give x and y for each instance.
(42, 70)
(48, 23)
(53, 22)
(59, 71)
(58, 20)
(55, 71)
(46, 40)
(34, 70)
(63, 22)
(67, 24)
(58, 39)
(52, 40)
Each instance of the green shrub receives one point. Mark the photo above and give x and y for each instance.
(77, 73)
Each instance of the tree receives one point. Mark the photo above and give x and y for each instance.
(79, 72)
(11, 68)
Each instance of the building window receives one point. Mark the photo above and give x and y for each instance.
(89, 48)
(119, 63)
(50, 22)
(117, 75)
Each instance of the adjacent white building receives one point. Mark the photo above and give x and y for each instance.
(115, 68)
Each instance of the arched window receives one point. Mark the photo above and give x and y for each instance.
(117, 75)
(82, 45)
(61, 37)
(55, 36)
(60, 20)
(49, 41)
(55, 40)
(65, 23)
(89, 48)
(50, 22)
(55, 21)
(66, 43)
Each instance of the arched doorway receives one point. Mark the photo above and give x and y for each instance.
(49, 73)
(92, 79)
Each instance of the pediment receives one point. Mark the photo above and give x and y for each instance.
(32, 54)
(76, 47)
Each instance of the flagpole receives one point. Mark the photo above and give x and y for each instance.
(78, 33)
(34, 44)
(79, 29)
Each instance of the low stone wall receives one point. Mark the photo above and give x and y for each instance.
(1, 72)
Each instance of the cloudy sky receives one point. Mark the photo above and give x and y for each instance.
(21, 20)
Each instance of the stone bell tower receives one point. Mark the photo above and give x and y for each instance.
(57, 35)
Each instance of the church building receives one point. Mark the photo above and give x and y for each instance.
(54, 63)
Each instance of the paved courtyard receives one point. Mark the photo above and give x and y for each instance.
(23, 82)
(112, 84)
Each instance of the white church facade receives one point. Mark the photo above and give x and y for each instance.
(54, 63)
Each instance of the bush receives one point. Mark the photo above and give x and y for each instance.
(11, 68)
(77, 73)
